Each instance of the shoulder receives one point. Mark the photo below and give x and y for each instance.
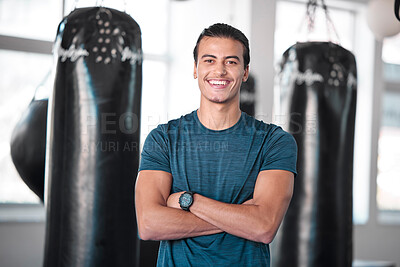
(268, 129)
(272, 133)
(183, 121)
(173, 126)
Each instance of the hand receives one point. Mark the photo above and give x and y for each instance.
(173, 200)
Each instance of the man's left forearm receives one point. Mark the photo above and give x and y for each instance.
(246, 221)
(256, 220)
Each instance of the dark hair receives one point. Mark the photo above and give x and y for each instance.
(222, 30)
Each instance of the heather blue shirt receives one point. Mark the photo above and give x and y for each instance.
(222, 165)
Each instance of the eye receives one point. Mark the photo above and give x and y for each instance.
(231, 62)
(208, 61)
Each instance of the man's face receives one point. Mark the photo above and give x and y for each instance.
(220, 69)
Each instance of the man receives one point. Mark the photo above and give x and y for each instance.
(214, 185)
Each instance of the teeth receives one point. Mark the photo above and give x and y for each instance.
(218, 82)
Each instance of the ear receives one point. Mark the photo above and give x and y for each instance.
(195, 70)
(246, 74)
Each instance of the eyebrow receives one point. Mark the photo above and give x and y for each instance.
(212, 56)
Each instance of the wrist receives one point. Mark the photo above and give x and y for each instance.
(186, 200)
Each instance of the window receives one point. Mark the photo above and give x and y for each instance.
(388, 179)
(25, 60)
(24, 18)
(21, 73)
(388, 176)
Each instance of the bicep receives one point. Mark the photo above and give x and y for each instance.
(274, 190)
(151, 194)
(152, 188)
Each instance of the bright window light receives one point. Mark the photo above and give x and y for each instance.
(21, 74)
(34, 19)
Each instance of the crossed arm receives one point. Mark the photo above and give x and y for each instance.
(160, 217)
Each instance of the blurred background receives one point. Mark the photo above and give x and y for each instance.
(169, 32)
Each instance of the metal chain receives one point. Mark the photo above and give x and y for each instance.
(329, 23)
(311, 14)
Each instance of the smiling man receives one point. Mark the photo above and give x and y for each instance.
(214, 185)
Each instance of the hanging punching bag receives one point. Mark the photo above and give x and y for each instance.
(248, 96)
(28, 145)
(93, 140)
(28, 140)
(318, 91)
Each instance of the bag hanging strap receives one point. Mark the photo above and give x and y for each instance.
(310, 19)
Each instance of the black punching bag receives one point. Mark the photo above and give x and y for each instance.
(318, 91)
(28, 145)
(93, 141)
(28, 140)
(248, 96)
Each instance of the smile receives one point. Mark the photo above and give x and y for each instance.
(218, 82)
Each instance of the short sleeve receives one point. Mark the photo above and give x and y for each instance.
(155, 153)
(280, 151)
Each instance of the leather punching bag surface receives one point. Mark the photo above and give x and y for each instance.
(93, 141)
(28, 145)
(318, 91)
(248, 96)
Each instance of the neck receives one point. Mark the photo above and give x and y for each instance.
(218, 116)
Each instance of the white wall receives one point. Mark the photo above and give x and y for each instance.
(377, 242)
(262, 56)
(22, 244)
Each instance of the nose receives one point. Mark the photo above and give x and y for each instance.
(220, 69)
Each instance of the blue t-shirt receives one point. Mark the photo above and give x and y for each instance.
(222, 165)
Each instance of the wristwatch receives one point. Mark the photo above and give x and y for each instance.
(186, 200)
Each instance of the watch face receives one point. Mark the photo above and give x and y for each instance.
(186, 200)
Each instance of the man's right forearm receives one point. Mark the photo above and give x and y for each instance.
(155, 220)
(165, 223)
